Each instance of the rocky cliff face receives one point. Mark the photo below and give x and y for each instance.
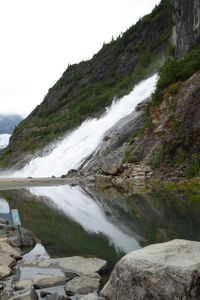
(170, 141)
(186, 32)
(170, 148)
(85, 89)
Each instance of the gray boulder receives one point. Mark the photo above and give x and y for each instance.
(28, 238)
(71, 266)
(111, 169)
(162, 271)
(6, 260)
(82, 285)
(50, 281)
(5, 271)
(23, 284)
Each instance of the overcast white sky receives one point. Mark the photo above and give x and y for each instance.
(40, 37)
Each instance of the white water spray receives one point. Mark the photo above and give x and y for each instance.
(82, 142)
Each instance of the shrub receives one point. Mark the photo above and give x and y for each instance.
(157, 159)
(175, 70)
(174, 87)
(194, 168)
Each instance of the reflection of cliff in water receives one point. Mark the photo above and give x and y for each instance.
(155, 216)
(107, 224)
(68, 221)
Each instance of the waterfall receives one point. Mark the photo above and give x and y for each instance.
(76, 146)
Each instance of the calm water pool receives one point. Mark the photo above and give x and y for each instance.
(106, 224)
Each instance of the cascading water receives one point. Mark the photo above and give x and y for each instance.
(82, 142)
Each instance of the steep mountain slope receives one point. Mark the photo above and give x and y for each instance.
(86, 88)
(8, 123)
(167, 145)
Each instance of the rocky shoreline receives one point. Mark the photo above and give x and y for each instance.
(40, 277)
(167, 270)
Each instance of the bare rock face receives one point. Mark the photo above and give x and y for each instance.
(111, 169)
(162, 271)
(110, 154)
(186, 32)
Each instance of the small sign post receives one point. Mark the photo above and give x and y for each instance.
(17, 222)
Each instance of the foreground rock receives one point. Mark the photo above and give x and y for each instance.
(53, 277)
(26, 294)
(75, 265)
(82, 285)
(23, 284)
(50, 282)
(162, 271)
(5, 271)
(9, 254)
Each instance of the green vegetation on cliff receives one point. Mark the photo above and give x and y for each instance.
(172, 120)
(85, 89)
(175, 70)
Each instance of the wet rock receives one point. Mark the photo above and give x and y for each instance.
(26, 294)
(111, 151)
(50, 282)
(72, 172)
(23, 284)
(140, 106)
(162, 271)
(63, 176)
(5, 271)
(82, 285)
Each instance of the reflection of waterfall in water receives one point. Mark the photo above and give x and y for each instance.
(82, 142)
(37, 251)
(4, 206)
(84, 210)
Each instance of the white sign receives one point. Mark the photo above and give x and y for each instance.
(15, 216)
